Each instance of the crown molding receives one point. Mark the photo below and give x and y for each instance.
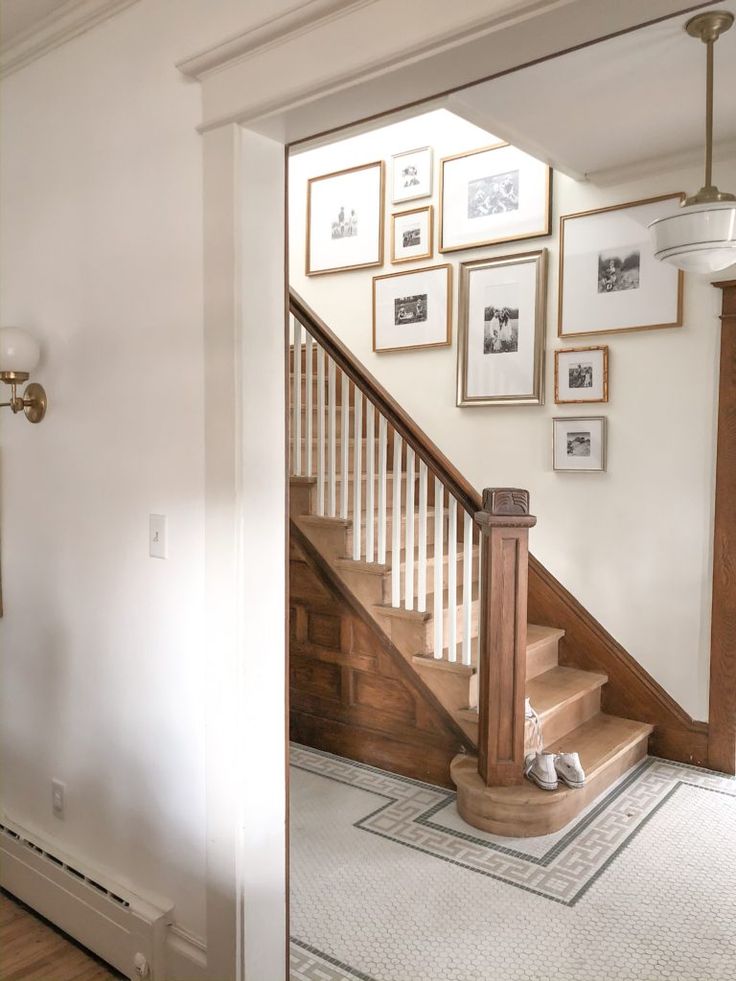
(66, 22)
(299, 19)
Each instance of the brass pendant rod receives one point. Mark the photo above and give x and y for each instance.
(709, 113)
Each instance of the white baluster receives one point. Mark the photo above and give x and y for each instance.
(310, 404)
(297, 396)
(370, 476)
(438, 559)
(396, 526)
(320, 431)
(331, 447)
(467, 584)
(357, 473)
(382, 452)
(452, 579)
(422, 566)
(344, 447)
(409, 536)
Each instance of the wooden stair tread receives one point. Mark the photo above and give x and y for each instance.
(559, 686)
(536, 637)
(600, 740)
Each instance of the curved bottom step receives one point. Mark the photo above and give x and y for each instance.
(608, 747)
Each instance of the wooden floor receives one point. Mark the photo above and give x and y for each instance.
(31, 950)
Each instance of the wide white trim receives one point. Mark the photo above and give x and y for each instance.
(186, 956)
(61, 25)
(300, 19)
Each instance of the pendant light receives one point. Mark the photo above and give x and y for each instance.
(700, 235)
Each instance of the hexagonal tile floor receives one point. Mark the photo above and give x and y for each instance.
(389, 884)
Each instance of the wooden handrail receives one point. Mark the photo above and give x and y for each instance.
(441, 467)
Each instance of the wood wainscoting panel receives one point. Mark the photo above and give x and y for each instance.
(350, 691)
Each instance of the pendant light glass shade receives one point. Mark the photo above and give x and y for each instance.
(699, 238)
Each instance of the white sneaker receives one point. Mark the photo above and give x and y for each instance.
(540, 769)
(568, 768)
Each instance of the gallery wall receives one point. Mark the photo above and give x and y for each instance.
(633, 543)
(104, 650)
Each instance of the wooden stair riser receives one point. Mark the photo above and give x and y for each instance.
(329, 537)
(418, 634)
(387, 582)
(389, 533)
(338, 459)
(542, 657)
(300, 498)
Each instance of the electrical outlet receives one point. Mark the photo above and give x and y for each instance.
(58, 789)
(157, 536)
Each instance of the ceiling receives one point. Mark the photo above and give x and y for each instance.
(17, 17)
(636, 97)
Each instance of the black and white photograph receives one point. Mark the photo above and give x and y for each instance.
(579, 444)
(411, 234)
(412, 309)
(412, 174)
(618, 270)
(345, 219)
(491, 195)
(501, 330)
(346, 225)
(610, 280)
(581, 375)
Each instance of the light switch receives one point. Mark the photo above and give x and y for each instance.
(157, 536)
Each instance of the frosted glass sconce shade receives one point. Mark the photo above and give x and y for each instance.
(19, 352)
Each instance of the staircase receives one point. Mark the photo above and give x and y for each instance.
(440, 575)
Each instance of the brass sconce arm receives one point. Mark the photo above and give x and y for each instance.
(33, 401)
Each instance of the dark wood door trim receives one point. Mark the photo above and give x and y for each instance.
(722, 708)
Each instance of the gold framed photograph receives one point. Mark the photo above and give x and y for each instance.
(412, 309)
(581, 375)
(610, 280)
(412, 234)
(501, 328)
(345, 219)
(412, 174)
(579, 444)
(492, 195)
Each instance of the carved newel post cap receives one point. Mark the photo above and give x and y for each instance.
(506, 506)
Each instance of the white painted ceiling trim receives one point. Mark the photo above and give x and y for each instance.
(297, 20)
(68, 21)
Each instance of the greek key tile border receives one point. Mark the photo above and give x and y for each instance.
(306, 963)
(566, 870)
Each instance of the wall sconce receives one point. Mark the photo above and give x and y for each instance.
(19, 354)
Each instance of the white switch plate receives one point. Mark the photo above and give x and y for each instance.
(58, 790)
(157, 536)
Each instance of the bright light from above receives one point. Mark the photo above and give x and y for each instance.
(18, 350)
(699, 238)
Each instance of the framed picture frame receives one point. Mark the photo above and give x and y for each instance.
(501, 330)
(412, 174)
(579, 444)
(412, 309)
(492, 195)
(412, 235)
(581, 375)
(610, 280)
(345, 219)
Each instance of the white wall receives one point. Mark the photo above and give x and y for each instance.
(104, 650)
(633, 544)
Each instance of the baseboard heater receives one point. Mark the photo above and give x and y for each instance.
(125, 930)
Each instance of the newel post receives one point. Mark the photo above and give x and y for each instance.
(504, 522)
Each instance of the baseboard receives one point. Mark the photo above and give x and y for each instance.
(631, 691)
(129, 932)
(186, 956)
